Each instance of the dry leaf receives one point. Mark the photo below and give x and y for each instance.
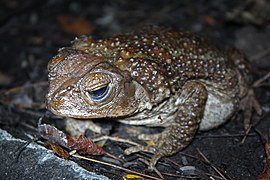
(132, 176)
(59, 151)
(150, 142)
(209, 20)
(75, 25)
(52, 134)
(83, 145)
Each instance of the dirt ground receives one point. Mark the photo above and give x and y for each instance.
(31, 32)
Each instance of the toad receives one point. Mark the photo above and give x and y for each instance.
(157, 77)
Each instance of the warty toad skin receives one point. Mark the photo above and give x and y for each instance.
(156, 77)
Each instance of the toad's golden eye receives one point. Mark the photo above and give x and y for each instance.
(98, 94)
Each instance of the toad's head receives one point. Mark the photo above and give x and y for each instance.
(84, 85)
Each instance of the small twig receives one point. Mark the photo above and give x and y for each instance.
(260, 54)
(222, 174)
(215, 176)
(247, 132)
(225, 136)
(21, 148)
(187, 177)
(114, 166)
(33, 113)
(117, 139)
(180, 176)
(258, 82)
(201, 160)
(174, 163)
(29, 126)
(5, 94)
(262, 137)
(112, 156)
(154, 168)
(251, 126)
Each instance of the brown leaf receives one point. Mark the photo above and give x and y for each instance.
(75, 25)
(60, 151)
(209, 20)
(266, 174)
(52, 134)
(84, 146)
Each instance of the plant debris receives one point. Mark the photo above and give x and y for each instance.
(75, 25)
(82, 145)
(58, 150)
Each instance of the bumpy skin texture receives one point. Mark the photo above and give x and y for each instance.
(155, 77)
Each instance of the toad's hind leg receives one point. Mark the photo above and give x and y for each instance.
(178, 135)
(248, 100)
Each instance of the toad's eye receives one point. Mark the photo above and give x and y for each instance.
(98, 94)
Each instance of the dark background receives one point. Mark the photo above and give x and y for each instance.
(31, 32)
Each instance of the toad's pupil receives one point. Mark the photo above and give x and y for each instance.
(99, 93)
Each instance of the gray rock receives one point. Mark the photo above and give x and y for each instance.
(36, 162)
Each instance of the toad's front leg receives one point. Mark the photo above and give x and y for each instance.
(191, 102)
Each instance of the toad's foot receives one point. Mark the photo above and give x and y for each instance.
(179, 134)
(153, 149)
(166, 144)
(145, 137)
(247, 104)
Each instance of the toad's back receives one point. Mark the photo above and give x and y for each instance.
(161, 59)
